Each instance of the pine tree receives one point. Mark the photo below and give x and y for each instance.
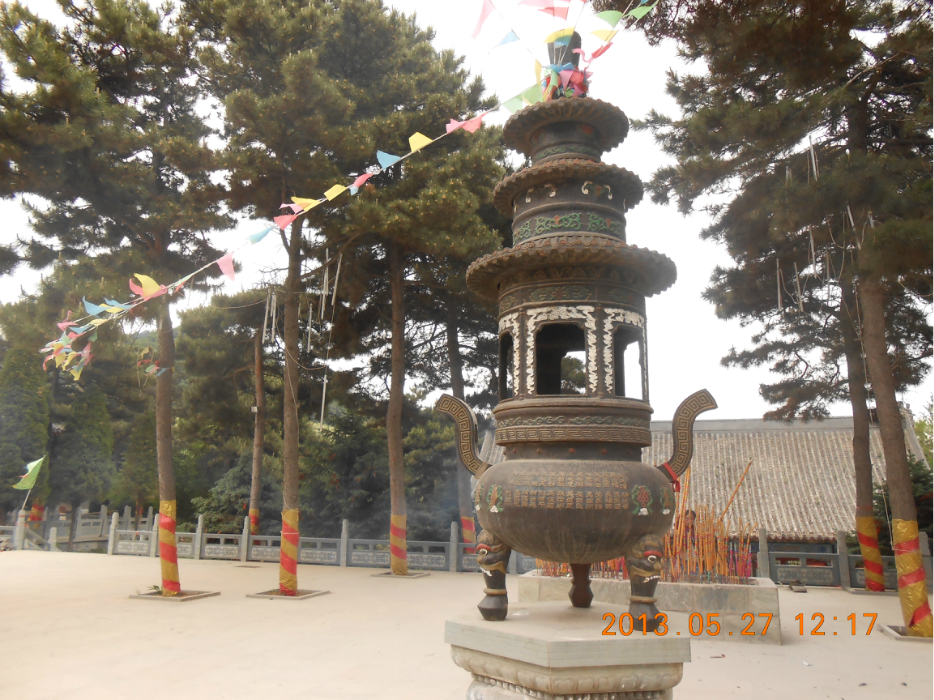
(782, 74)
(24, 420)
(109, 135)
(311, 91)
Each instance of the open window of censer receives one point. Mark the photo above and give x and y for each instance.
(557, 346)
(629, 377)
(507, 378)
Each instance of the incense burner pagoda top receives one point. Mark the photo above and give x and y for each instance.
(572, 487)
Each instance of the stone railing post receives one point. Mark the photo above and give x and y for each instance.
(19, 532)
(763, 558)
(53, 539)
(199, 534)
(112, 537)
(345, 540)
(513, 566)
(245, 540)
(924, 544)
(149, 518)
(154, 538)
(843, 560)
(127, 518)
(455, 540)
(103, 520)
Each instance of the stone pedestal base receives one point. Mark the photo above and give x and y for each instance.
(555, 652)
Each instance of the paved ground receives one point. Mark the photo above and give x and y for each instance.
(70, 630)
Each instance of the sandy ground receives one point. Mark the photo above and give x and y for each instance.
(69, 630)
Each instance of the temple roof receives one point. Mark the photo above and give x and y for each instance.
(801, 485)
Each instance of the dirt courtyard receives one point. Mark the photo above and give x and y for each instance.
(70, 630)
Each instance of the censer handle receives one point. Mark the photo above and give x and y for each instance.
(466, 423)
(682, 429)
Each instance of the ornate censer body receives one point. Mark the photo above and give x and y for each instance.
(572, 487)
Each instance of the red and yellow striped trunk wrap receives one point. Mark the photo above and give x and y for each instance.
(912, 589)
(288, 553)
(869, 548)
(168, 552)
(254, 521)
(398, 549)
(469, 533)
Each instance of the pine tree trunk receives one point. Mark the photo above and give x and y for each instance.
(912, 590)
(464, 500)
(288, 551)
(856, 379)
(259, 432)
(397, 519)
(168, 554)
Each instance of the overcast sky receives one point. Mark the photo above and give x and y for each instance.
(685, 339)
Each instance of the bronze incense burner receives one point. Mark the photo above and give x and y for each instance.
(572, 487)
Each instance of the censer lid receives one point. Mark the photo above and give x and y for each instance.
(608, 120)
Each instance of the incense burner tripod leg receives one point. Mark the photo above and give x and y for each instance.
(493, 556)
(644, 560)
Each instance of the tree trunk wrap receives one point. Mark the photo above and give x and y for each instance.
(168, 552)
(288, 581)
(464, 498)
(398, 549)
(259, 434)
(862, 461)
(397, 535)
(869, 548)
(288, 553)
(912, 589)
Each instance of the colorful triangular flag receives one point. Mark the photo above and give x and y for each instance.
(386, 159)
(226, 264)
(418, 141)
(334, 191)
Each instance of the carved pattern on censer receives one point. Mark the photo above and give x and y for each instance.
(611, 321)
(511, 324)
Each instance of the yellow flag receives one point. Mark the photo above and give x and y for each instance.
(306, 204)
(147, 284)
(605, 34)
(558, 34)
(98, 321)
(418, 141)
(334, 191)
(538, 72)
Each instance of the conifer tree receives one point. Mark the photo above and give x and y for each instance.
(783, 74)
(108, 133)
(311, 91)
(24, 420)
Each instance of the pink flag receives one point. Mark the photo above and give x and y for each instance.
(296, 208)
(284, 220)
(470, 125)
(557, 11)
(484, 13)
(361, 179)
(66, 323)
(226, 264)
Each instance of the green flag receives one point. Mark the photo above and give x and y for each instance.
(29, 478)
